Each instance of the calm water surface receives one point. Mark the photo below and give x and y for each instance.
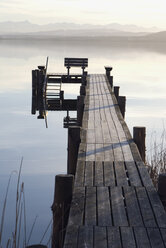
(140, 73)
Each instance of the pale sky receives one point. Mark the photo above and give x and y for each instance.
(140, 12)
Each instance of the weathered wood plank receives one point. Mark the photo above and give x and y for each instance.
(90, 206)
(127, 235)
(79, 176)
(99, 179)
(109, 177)
(85, 237)
(157, 207)
(99, 152)
(120, 172)
(133, 174)
(141, 236)
(133, 210)
(146, 180)
(89, 177)
(90, 152)
(155, 238)
(71, 237)
(77, 207)
(114, 240)
(100, 237)
(145, 207)
(118, 208)
(103, 207)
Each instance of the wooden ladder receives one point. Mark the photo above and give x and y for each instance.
(53, 92)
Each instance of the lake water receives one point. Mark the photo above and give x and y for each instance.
(139, 70)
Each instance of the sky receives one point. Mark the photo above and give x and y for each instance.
(145, 13)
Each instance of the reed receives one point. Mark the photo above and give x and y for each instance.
(156, 159)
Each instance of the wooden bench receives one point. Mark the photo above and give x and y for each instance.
(75, 62)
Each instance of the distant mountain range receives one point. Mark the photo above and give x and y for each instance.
(27, 30)
(26, 27)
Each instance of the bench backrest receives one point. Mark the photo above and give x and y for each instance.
(76, 62)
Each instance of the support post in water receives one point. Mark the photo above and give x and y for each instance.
(80, 109)
(82, 90)
(161, 188)
(122, 105)
(61, 207)
(73, 146)
(108, 70)
(139, 134)
(116, 92)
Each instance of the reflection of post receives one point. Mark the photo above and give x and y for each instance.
(73, 146)
(80, 109)
(139, 134)
(116, 92)
(41, 76)
(61, 207)
(34, 91)
(122, 104)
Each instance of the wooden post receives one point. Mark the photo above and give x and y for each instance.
(82, 90)
(116, 92)
(83, 79)
(162, 188)
(139, 134)
(61, 207)
(73, 146)
(122, 104)
(108, 74)
(108, 70)
(80, 109)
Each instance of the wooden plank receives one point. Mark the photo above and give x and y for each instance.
(89, 178)
(118, 207)
(79, 176)
(133, 210)
(99, 152)
(155, 238)
(100, 237)
(90, 152)
(103, 207)
(145, 207)
(77, 207)
(109, 177)
(82, 151)
(71, 237)
(157, 206)
(98, 181)
(85, 237)
(144, 175)
(163, 234)
(90, 135)
(134, 178)
(127, 235)
(108, 152)
(141, 237)
(114, 240)
(90, 206)
(120, 172)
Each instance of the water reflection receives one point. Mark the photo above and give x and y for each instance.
(138, 69)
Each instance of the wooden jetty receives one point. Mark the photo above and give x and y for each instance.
(114, 203)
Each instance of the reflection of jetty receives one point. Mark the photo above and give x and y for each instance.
(113, 202)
